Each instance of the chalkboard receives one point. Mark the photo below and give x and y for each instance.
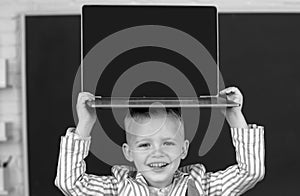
(258, 53)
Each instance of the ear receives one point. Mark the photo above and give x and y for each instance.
(127, 152)
(185, 149)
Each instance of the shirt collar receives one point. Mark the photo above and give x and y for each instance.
(177, 175)
(140, 178)
(131, 172)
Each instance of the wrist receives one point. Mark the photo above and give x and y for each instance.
(84, 128)
(236, 119)
(233, 113)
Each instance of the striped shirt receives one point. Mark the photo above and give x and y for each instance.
(191, 180)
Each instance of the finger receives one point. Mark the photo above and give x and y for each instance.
(235, 90)
(84, 97)
(223, 92)
(86, 94)
(227, 90)
(89, 94)
(233, 98)
(230, 90)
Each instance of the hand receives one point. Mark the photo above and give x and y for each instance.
(235, 95)
(234, 115)
(86, 115)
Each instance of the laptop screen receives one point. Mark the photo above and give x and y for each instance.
(150, 51)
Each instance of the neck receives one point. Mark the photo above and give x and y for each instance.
(160, 184)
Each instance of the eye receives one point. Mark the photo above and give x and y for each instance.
(144, 145)
(168, 143)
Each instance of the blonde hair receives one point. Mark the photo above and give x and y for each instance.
(144, 114)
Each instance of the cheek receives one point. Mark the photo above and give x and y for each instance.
(173, 150)
(176, 155)
(140, 157)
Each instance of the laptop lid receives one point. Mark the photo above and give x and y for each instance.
(150, 51)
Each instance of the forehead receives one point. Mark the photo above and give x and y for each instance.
(156, 128)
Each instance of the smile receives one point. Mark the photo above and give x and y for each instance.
(158, 164)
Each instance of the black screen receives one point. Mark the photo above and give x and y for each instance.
(101, 22)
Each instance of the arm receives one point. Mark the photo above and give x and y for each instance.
(237, 179)
(234, 115)
(71, 178)
(249, 147)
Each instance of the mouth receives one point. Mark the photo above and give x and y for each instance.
(156, 165)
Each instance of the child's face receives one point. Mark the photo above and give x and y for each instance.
(157, 155)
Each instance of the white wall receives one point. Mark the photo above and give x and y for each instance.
(10, 47)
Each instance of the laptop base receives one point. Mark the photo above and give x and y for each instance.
(160, 102)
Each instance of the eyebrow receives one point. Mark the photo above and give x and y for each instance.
(147, 140)
(142, 140)
(168, 138)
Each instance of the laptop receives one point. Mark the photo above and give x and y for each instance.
(151, 55)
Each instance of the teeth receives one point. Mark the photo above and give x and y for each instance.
(157, 164)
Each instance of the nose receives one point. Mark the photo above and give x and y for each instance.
(157, 152)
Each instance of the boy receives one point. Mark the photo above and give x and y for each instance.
(156, 144)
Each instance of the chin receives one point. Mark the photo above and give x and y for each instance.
(159, 181)
(160, 176)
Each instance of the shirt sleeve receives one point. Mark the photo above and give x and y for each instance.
(250, 169)
(71, 178)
